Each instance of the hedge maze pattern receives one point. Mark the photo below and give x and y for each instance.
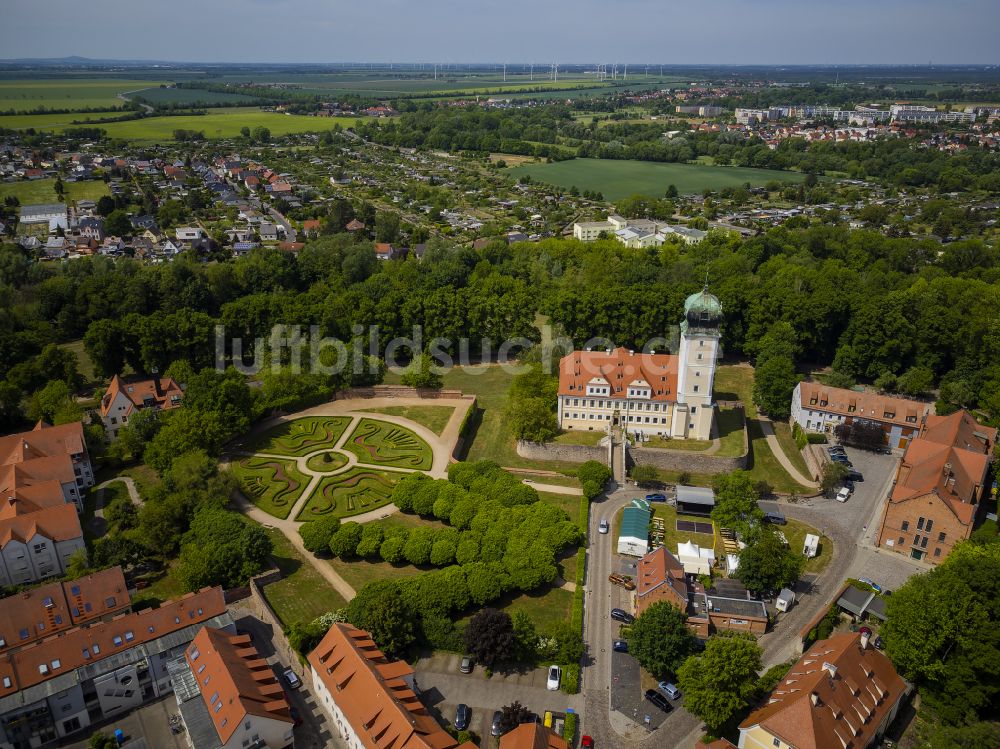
(273, 485)
(301, 436)
(380, 443)
(350, 493)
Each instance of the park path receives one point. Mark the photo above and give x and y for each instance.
(772, 442)
(133, 492)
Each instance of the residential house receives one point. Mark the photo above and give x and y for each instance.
(841, 693)
(532, 736)
(268, 232)
(354, 225)
(145, 223)
(311, 226)
(47, 461)
(124, 397)
(940, 487)
(64, 683)
(230, 697)
(818, 408)
(385, 251)
(660, 577)
(56, 248)
(189, 233)
(655, 394)
(91, 227)
(371, 701)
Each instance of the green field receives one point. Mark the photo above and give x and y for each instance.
(383, 444)
(619, 179)
(217, 123)
(350, 493)
(300, 437)
(32, 191)
(302, 594)
(66, 93)
(52, 121)
(273, 485)
(185, 96)
(434, 418)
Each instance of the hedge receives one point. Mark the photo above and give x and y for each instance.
(571, 673)
(569, 728)
(571, 679)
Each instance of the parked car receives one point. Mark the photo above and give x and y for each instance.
(292, 678)
(623, 580)
(879, 643)
(659, 700)
(874, 586)
(833, 449)
(849, 485)
(462, 716)
(586, 742)
(657, 497)
(670, 690)
(775, 518)
(842, 459)
(467, 665)
(843, 495)
(620, 646)
(555, 676)
(604, 527)
(853, 475)
(495, 726)
(621, 615)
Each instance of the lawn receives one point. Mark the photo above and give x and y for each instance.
(434, 418)
(86, 366)
(32, 191)
(546, 606)
(300, 437)
(350, 493)
(670, 443)
(383, 444)
(271, 484)
(48, 121)
(327, 462)
(784, 434)
(359, 572)
(617, 179)
(66, 93)
(795, 531)
(579, 437)
(162, 587)
(733, 382)
(302, 594)
(730, 423)
(191, 96)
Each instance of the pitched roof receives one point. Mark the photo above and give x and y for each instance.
(67, 651)
(59, 523)
(373, 694)
(619, 369)
(532, 736)
(235, 681)
(949, 458)
(42, 442)
(835, 696)
(864, 405)
(154, 392)
(635, 523)
(658, 568)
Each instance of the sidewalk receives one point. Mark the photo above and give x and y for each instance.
(772, 442)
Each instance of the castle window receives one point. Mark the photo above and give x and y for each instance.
(930, 524)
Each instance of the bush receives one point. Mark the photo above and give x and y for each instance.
(593, 476)
(571, 679)
(316, 534)
(816, 438)
(569, 727)
(684, 477)
(798, 433)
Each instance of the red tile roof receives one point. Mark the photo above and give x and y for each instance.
(157, 392)
(372, 693)
(812, 709)
(864, 405)
(532, 736)
(229, 668)
(658, 568)
(619, 369)
(57, 523)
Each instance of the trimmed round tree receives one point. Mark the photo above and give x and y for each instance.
(316, 534)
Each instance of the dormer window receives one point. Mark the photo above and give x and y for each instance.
(889, 415)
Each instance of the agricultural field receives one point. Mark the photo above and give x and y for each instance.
(53, 121)
(619, 179)
(185, 96)
(271, 484)
(32, 191)
(300, 437)
(383, 444)
(66, 93)
(350, 493)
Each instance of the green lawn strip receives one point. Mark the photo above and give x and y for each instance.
(162, 587)
(434, 418)
(86, 366)
(580, 437)
(543, 478)
(669, 443)
(795, 531)
(146, 479)
(272, 484)
(730, 423)
(350, 493)
(379, 443)
(568, 564)
(67, 93)
(300, 436)
(302, 594)
(570, 503)
(33, 191)
(410, 521)
(784, 434)
(546, 606)
(359, 572)
(692, 479)
(327, 462)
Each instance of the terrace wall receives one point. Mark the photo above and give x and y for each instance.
(400, 391)
(555, 451)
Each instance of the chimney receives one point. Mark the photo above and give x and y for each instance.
(830, 668)
(947, 469)
(814, 696)
(864, 640)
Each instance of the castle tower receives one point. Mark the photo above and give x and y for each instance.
(699, 349)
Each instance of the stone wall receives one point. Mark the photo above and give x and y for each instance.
(399, 391)
(683, 460)
(567, 453)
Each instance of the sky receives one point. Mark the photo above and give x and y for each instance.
(543, 31)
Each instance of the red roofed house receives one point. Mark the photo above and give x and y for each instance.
(385, 251)
(656, 394)
(124, 398)
(354, 225)
(841, 693)
(939, 488)
(532, 736)
(372, 701)
(241, 703)
(311, 226)
(660, 577)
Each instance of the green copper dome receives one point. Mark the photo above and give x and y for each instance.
(702, 313)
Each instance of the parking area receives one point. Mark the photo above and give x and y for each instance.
(149, 726)
(628, 695)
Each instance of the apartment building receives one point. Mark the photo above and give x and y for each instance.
(818, 408)
(372, 701)
(841, 693)
(937, 495)
(637, 233)
(668, 395)
(124, 398)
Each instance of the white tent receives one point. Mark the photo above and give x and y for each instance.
(732, 563)
(694, 559)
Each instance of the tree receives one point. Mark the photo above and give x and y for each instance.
(50, 400)
(100, 740)
(104, 343)
(387, 226)
(532, 419)
(245, 132)
(379, 609)
(525, 637)
(513, 715)
(344, 543)
(593, 476)
(722, 680)
(422, 373)
(117, 224)
(132, 438)
(261, 134)
(774, 375)
(222, 548)
(419, 543)
(660, 639)
(490, 637)
(78, 566)
(105, 205)
(736, 501)
(917, 381)
(316, 534)
(834, 475)
(767, 564)
(645, 475)
(372, 537)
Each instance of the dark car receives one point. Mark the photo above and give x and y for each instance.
(659, 700)
(854, 476)
(775, 518)
(495, 726)
(879, 643)
(656, 497)
(849, 485)
(836, 449)
(620, 646)
(620, 615)
(840, 459)
(462, 716)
